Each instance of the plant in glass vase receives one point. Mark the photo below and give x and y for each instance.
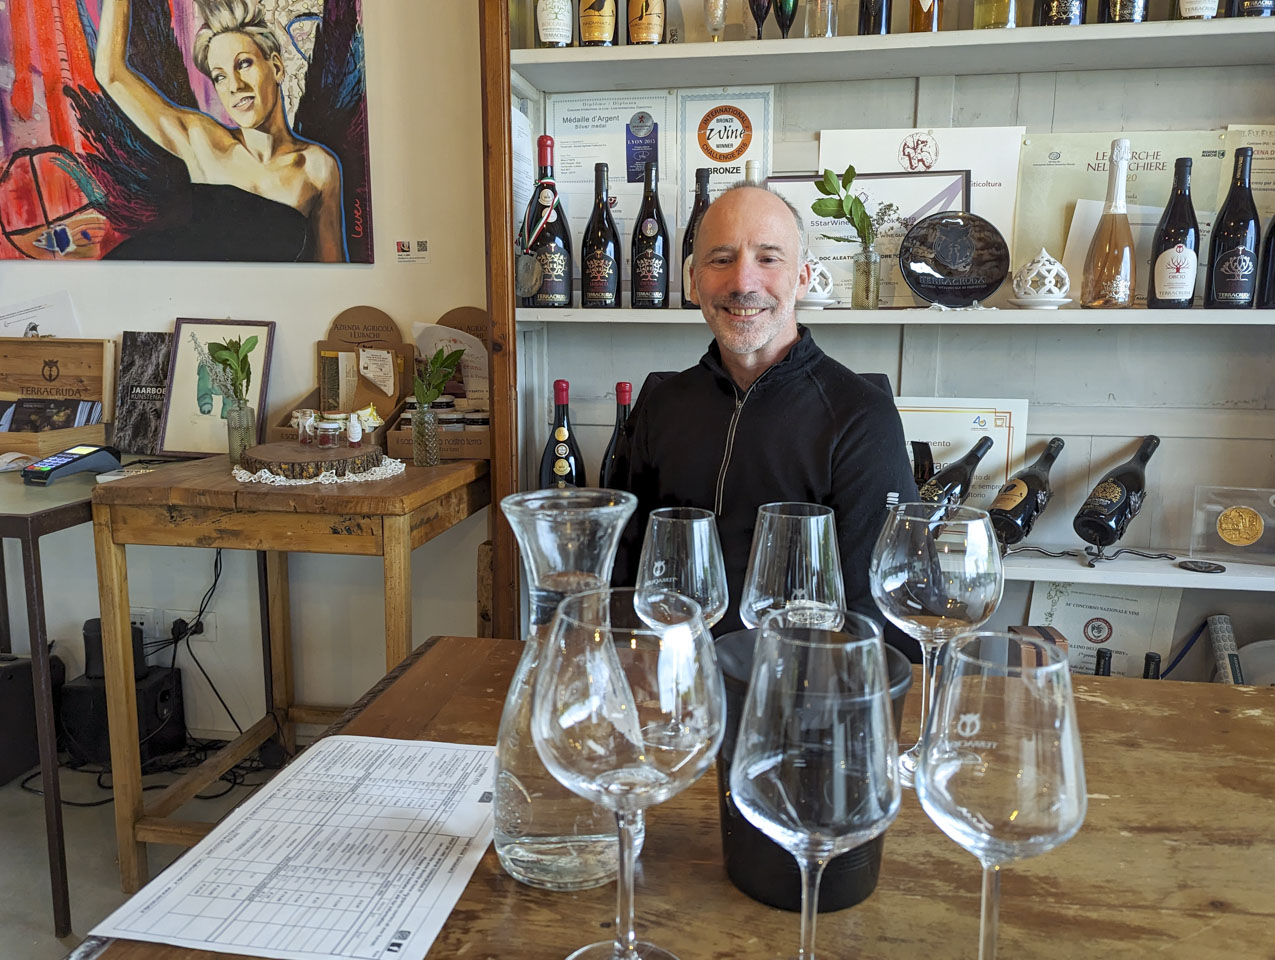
(839, 203)
(229, 367)
(431, 377)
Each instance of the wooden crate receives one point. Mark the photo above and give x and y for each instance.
(66, 369)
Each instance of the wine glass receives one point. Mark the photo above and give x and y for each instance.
(816, 762)
(785, 14)
(683, 554)
(935, 572)
(760, 8)
(794, 562)
(629, 710)
(715, 18)
(1001, 771)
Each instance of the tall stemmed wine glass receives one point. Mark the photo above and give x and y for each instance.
(629, 710)
(815, 766)
(1001, 771)
(785, 14)
(683, 554)
(794, 563)
(761, 9)
(935, 572)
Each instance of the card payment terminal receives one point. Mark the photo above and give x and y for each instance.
(83, 458)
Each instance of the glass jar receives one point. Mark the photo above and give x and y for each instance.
(241, 430)
(451, 422)
(327, 433)
(866, 294)
(478, 420)
(425, 449)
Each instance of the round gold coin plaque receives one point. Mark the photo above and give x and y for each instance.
(1240, 526)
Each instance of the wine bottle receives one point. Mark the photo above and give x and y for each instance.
(1266, 289)
(995, 14)
(1102, 663)
(1231, 279)
(646, 21)
(599, 26)
(1059, 13)
(613, 469)
(1024, 498)
(561, 464)
(650, 248)
(545, 266)
(1175, 248)
(1109, 275)
(688, 240)
(924, 16)
(1253, 8)
(520, 28)
(553, 22)
(600, 249)
(874, 17)
(753, 174)
(1106, 512)
(1122, 11)
(1151, 666)
(1195, 9)
(922, 462)
(953, 484)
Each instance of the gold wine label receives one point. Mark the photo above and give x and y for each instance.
(597, 20)
(561, 467)
(561, 433)
(1011, 495)
(646, 21)
(1240, 526)
(931, 493)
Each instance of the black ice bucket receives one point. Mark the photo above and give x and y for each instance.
(756, 864)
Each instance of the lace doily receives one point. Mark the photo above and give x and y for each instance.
(389, 467)
(974, 306)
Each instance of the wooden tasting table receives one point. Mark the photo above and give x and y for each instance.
(1175, 859)
(199, 504)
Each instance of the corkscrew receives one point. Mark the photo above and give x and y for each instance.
(1097, 555)
(1011, 551)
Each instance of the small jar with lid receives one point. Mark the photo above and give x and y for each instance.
(477, 420)
(443, 404)
(327, 433)
(451, 422)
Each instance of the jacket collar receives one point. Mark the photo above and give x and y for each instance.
(800, 357)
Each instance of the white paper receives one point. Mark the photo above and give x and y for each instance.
(951, 426)
(431, 337)
(1128, 621)
(378, 367)
(48, 316)
(359, 849)
(1142, 222)
(523, 164)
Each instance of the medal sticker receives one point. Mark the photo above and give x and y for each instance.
(641, 145)
(1240, 526)
(528, 275)
(649, 227)
(561, 434)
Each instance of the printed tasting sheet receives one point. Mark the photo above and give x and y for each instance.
(358, 849)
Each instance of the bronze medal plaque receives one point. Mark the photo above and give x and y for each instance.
(1240, 526)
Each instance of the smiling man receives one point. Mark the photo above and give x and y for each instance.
(766, 415)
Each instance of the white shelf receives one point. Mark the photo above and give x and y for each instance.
(1170, 44)
(1135, 571)
(1006, 317)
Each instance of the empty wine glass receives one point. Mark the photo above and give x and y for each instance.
(761, 9)
(629, 710)
(1000, 770)
(794, 563)
(935, 572)
(683, 554)
(785, 14)
(815, 764)
(715, 18)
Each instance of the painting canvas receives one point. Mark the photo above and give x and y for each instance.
(209, 130)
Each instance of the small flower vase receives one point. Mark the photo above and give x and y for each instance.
(425, 438)
(241, 430)
(867, 280)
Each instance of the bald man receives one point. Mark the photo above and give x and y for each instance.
(766, 415)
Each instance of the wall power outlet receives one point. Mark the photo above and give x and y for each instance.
(207, 635)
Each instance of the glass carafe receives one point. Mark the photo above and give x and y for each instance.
(546, 836)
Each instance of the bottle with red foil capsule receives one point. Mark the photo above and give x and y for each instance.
(614, 468)
(561, 464)
(544, 264)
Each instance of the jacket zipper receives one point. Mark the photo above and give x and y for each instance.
(730, 443)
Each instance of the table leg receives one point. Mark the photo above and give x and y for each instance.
(46, 734)
(279, 621)
(6, 640)
(121, 698)
(396, 544)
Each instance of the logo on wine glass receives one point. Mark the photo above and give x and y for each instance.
(725, 133)
(919, 151)
(969, 724)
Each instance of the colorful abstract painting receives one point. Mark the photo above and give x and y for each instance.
(211, 130)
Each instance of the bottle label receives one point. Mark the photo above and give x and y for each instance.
(646, 21)
(686, 278)
(650, 227)
(561, 467)
(597, 23)
(555, 288)
(1059, 12)
(925, 5)
(1105, 499)
(1256, 8)
(546, 197)
(1128, 11)
(932, 493)
(553, 18)
(561, 449)
(1196, 9)
(1011, 495)
(1175, 273)
(1234, 273)
(561, 433)
(599, 281)
(650, 278)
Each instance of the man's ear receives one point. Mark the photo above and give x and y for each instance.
(691, 294)
(804, 276)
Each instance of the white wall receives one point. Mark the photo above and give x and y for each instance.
(424, 94)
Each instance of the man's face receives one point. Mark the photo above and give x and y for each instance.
(748, 271)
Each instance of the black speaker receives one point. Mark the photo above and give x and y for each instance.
(19, 749)
(161, 719)
(93, 668)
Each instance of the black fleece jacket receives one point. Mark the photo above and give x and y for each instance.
(807, 430)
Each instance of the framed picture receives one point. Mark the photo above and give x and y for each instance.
(913, 195)
(194, 421)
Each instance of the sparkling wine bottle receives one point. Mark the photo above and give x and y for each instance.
(874, 17)
(1175, 248)
(646, 21)
(613, 468)
(1231, 279)
(688, 240)
(599, 26)
(1266, 289)
(545, 265)
(1109, 276)
(924, 16)
(1116, 500)
(1122, 11)
(953, 484)
(553, 22)
(650, 248)
(995, 14)
(1058, 13)
(600, 250)
(1024, 498)
(561, 464)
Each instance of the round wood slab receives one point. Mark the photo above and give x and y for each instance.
(296, 462)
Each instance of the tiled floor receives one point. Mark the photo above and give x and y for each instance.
(26, 904)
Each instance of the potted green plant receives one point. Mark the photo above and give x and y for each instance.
(431, 377)
(229, 367)
(839, 203)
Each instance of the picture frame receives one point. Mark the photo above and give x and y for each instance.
(916, 195)
(193, 422)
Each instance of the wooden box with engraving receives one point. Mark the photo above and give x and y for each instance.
(50, 368)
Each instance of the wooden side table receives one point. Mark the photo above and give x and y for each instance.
(199, 504)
